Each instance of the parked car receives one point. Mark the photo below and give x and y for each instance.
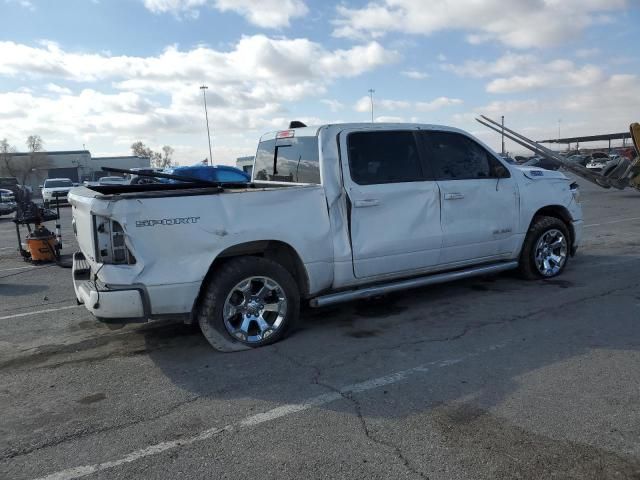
(599, 163)
(135, 179)
(579, 159)
(335, 213)
(112, 181)
(56, 189)
(7, 202)
(541, 162)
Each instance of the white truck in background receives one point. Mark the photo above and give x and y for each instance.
(334, 213)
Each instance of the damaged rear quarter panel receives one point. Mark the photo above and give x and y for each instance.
(176, 239)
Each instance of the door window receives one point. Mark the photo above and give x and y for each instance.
(457, 157)
(384, 157)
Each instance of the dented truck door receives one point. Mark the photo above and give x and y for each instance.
(394, 206)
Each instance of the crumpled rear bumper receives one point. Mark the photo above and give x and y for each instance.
(107, 302)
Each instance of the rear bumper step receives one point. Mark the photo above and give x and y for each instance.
(381, 289)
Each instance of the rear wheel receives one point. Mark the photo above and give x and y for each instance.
(546, 249)
(248, 302)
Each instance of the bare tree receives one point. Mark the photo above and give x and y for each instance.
(6, 151)
(141, 150)
(166, 158)
(34, 143)
(161, 160)
(22, 166)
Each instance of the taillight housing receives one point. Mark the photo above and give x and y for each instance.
(111, 247)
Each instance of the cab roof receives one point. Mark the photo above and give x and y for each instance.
(313, 131)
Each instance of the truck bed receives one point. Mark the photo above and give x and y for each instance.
(155, 190)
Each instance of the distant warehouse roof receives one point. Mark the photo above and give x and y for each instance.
(57, 152)
(122, 157)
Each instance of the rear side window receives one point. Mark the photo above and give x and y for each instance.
(384, 157)
(457, 157)
(288, 160)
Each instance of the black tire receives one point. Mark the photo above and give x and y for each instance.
(222, 282)
(538, 228)
(46, 204)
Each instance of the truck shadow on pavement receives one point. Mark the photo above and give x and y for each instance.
(500, 335)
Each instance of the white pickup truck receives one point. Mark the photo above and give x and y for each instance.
(334, 213)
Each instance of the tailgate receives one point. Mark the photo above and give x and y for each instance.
(83, 223)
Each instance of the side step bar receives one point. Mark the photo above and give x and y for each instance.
(381, 289)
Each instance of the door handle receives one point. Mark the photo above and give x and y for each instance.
(369, 202)
(453, 196)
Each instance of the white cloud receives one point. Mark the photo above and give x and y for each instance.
(557, 74)
(415, 74)
(158, 97)
(507, 63)
(262, 13)
(587, 52)
(53, 88)
(523, 24)
(23, 3)
(177, 7)
(522, 72)
(254, 59)
(364, 104)
(389, 119)
(334, 105)
(438, 103)
(265, 13)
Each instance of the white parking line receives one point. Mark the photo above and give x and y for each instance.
(612, 221)
(253, 420)
(48, 310)
(17, 268)
(8, 248)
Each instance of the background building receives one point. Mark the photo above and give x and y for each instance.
(77, 165)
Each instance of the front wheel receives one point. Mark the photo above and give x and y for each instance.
(546, 249)
(248, 302)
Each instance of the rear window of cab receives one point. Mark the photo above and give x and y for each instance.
(294, 160)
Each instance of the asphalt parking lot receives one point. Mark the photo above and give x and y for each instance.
(488, 378)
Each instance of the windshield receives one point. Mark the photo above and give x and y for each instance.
(288, 160)
(57, 183)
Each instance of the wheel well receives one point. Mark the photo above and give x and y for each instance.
(559, 212)
(275, 250)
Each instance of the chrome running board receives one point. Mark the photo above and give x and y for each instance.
(381, 289)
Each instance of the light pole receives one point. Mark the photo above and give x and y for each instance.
(559, 122)
(371, 92)
(206, 116)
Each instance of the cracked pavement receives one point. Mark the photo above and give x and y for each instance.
(487, 378)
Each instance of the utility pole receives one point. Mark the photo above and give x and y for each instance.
(206, 116)
(502, 134)
(371, 92)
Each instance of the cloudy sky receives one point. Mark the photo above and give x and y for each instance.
(105, 73)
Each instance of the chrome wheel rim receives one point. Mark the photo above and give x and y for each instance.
(551, 252)
(255, 309)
